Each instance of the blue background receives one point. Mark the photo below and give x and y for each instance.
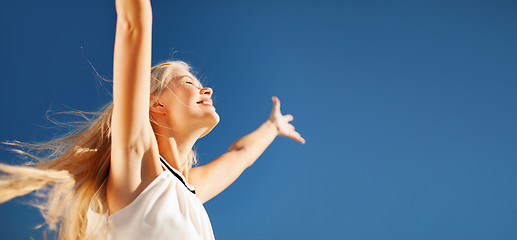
(409, 108)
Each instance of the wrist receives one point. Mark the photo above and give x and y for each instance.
(272, 125)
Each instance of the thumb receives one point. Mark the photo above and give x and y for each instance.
(276, 104)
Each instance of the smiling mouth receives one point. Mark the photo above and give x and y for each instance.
(205, 103)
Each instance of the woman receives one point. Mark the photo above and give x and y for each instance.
(128, 174)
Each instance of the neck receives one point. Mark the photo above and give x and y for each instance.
(175, 149)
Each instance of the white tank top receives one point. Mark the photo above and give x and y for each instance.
(167, 209)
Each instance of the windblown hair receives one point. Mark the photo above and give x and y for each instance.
(73, 167)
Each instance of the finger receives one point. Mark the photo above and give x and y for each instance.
(296, 136)
(288, 117)
(276, 104)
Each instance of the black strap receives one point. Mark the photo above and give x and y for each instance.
(166, 164)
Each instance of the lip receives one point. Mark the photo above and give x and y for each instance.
(205, 100)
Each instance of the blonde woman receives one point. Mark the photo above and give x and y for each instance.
(127, 174)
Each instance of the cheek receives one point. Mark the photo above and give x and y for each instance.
(183, 100)
(186, 92)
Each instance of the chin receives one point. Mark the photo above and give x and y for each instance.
(214, 121)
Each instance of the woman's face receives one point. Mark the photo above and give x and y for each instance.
(187, 104)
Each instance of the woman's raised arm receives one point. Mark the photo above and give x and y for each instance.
(214, 177)
(132, 167)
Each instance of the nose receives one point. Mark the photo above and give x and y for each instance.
(208, 91)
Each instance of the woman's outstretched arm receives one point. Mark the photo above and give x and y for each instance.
(214, 177)
(130, 171)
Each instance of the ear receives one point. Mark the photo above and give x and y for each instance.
(156, 106)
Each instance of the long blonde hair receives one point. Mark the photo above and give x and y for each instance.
(73, 167)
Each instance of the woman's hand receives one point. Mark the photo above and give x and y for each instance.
(282, 122)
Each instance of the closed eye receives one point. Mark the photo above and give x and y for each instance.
(189, 80)
(192, 83)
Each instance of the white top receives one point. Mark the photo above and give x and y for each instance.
(167, 209)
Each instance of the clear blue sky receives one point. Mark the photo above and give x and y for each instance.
(409, 108)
